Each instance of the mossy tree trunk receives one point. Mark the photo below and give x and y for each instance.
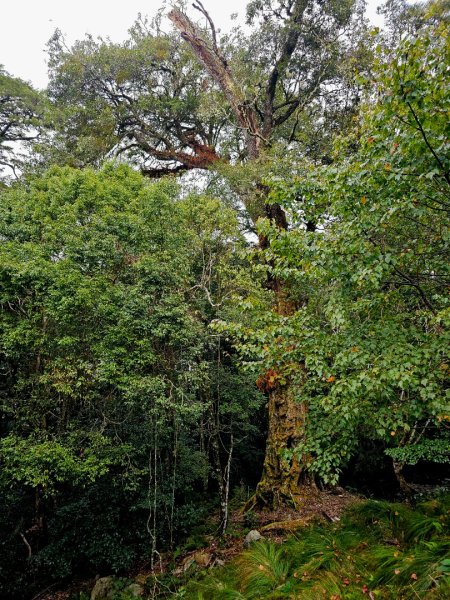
(283, 479)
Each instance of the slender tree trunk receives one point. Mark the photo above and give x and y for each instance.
(405, 489)
(225, 488)
(223, 472)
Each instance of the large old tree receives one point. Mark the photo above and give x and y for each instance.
(172, 105)
(21, 109)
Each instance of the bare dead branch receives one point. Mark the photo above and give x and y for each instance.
(199, 6)
(25, 541)
(217, 67)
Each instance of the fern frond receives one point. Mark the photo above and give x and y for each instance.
(262, 569)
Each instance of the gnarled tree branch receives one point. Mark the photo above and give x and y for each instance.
(282, 63)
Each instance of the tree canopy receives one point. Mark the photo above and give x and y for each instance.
(112, 383)
(21, 110)
(151, 99)
(368, 343)
(223, 273)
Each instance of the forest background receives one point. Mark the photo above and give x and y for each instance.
(224, 270)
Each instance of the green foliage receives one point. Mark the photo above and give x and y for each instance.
(432, 450)
(122, 403)
(365, 265)
(263, 570)
(386, 550)
(146, 93)
(404, 523)
(45, 464)
(21, 119)
(152, 101)
(113, 383)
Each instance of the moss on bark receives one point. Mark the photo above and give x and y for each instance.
(284, 480)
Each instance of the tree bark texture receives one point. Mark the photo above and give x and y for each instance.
(283, 479)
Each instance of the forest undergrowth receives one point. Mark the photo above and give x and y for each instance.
(224, 282)
(377, 550)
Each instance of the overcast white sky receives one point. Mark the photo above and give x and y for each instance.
(27, 25)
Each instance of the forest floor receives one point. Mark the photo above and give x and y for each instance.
(214, 550)
(337, 546)
(368, 549)
(275, 525)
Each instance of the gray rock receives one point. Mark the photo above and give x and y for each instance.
(103, 589)
(251, 537)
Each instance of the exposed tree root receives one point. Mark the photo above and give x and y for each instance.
(289, 525)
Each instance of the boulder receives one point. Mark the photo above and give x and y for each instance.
(251, 537)
(103, 589)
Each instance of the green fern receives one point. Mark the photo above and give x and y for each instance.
(414, 571)
(418, 527)
(262, 569)
(391, 550)
(393, 520)
(219, 584)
